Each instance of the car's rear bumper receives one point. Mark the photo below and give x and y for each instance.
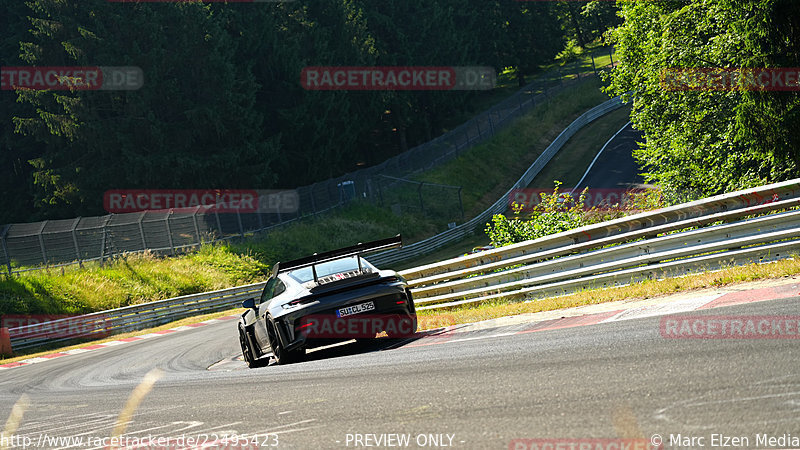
(319, 320)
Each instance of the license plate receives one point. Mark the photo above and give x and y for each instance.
(355, 309)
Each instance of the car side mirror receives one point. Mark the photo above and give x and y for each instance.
(250, 303)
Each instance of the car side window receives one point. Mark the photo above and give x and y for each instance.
(273, 288)
(266, 294)
(280, 288)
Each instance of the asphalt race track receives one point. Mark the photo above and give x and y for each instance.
(615, 167)
(483, 390)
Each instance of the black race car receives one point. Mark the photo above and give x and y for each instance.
(326, 298)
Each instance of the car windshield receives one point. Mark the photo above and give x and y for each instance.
(329, 268)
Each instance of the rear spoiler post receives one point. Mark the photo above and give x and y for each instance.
(314, 271)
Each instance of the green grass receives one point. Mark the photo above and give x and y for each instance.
(357, 222)
(569, 164)
(126, 281)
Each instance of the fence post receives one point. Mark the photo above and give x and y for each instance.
(41, 243)
(311, 195)
(169, 233)
(103, 242)
(141, 230)
(419, 191)
(75, 242)
(219, 225)
(196, 227)
(239, 220)
(460, 203)
(5, 248)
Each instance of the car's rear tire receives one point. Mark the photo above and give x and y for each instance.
(407, 326)
(247, 350)
(281, 355)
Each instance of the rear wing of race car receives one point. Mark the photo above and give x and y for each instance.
(354, 250)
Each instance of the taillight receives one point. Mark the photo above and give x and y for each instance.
(305, 325)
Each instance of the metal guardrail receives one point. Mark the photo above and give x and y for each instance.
(130, 318)
(643, 246)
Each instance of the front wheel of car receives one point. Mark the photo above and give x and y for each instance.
(247, 350)
(282, 356)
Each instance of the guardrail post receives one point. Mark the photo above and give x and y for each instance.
(169, 233)
(41, 242)
(5, 248)
(141, 230)
(75, 242)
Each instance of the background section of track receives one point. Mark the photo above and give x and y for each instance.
(615, 167)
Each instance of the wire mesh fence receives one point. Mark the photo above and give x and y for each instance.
(405, 196)
(31, 246)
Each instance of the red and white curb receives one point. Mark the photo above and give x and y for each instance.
(122, 341)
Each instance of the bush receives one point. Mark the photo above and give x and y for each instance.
(555, 213)
(560, 211)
